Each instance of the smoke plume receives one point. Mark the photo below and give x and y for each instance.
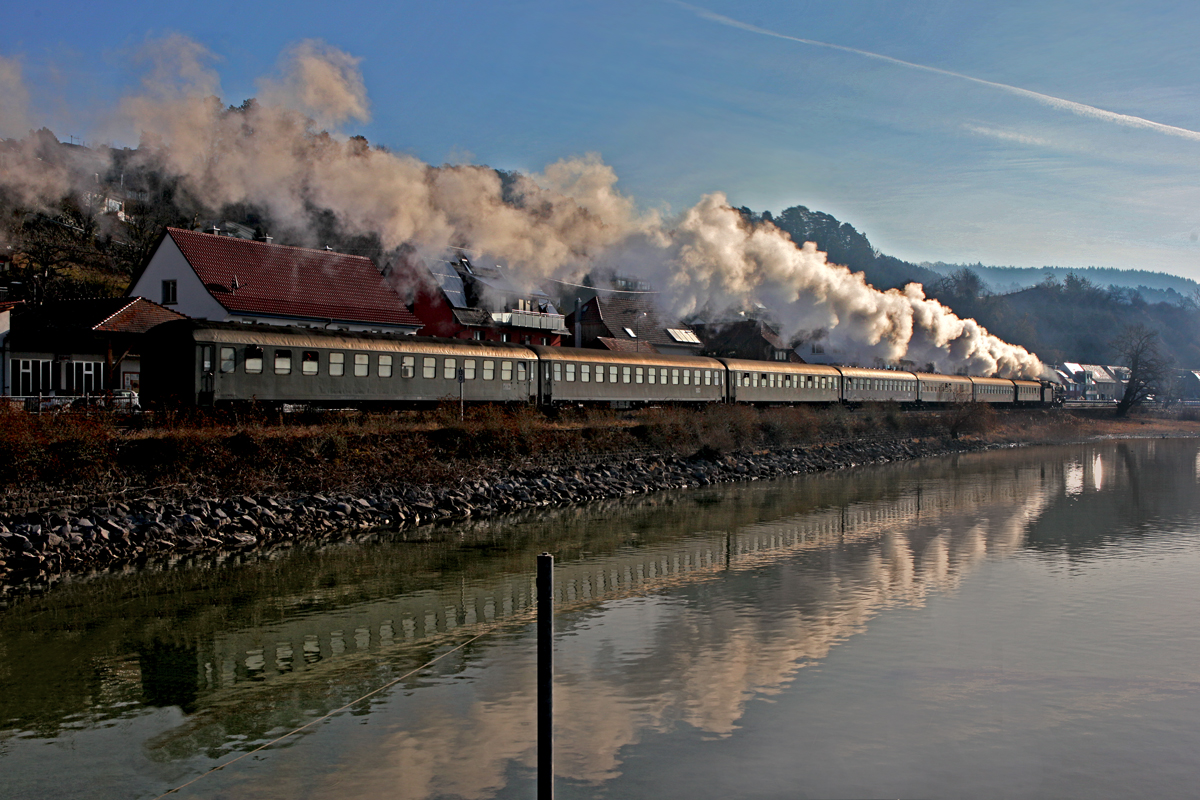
(285, 153)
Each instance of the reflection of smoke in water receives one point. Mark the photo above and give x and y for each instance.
(560, 223)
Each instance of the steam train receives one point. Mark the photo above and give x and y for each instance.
(197, 363)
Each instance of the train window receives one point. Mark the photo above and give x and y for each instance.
(362, 365)
(521, 370)
(662, 376)
(408, 366)
(450, 369)
(571, 373)
(625, 374)
(708, 377)
(506, 370)
(696, 377)
(651, 374)
(557, 371)
(283, 362)
(337, 364)
(745, 379)
(771, 379)
(428, 367)
(206, 354)
(309, 363)
(674, 377)
(254, 358)
(599, 374)
(638, 374)
(687, 377)
(717, 377)
(489, 370)
(612, 374)
(468, 369)
(385, 366)
(585, 372)
(227, 359)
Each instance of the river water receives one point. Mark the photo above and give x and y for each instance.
(997, 625)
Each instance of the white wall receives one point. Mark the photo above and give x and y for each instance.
(192, 298)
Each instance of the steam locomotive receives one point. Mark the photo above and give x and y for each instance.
(198, 363)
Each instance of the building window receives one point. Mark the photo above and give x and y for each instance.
(450, 369)
(385, 367)
(337, 364)
(362, 365)
(429, 368)
(228, 359)
(469, 369)
(477, 336)
(408, 366)
(283, 362)
(545, 341)
(254, 359)
(169, 293)
(504, 337)
(309, 363)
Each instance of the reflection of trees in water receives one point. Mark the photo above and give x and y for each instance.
(279, 637)
(1114, 491)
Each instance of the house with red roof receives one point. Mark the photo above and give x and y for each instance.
(76, 347)
(229, 279)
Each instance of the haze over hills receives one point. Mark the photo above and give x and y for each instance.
(1060, 314)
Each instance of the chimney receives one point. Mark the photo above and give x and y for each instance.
(215, 231)
(579, 322)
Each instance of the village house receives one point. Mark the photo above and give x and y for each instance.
(629, 322)
(76, 347)
(472, 301)
(751, 339)
(230, 279)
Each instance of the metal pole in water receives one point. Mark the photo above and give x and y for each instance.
(545, 676)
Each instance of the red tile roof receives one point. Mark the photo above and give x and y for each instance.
(275, 280)
(138, 316)
(103, 314)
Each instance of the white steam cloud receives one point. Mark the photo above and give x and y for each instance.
(560, 223)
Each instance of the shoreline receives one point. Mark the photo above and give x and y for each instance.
(39, 549)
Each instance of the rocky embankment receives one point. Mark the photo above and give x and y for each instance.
(37, 547)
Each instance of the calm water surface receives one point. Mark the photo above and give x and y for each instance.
(1000, 625)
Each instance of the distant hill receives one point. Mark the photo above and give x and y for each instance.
(1154, 287)
(846, 246)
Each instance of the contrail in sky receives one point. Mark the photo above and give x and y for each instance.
(1081, 109)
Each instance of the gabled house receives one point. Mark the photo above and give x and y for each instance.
(631, 323)
(229, 279)
(471, 301)
(78, 347)
(751, 339)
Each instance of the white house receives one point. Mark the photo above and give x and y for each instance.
(224, 278)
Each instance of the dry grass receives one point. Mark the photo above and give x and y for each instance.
(252, 452)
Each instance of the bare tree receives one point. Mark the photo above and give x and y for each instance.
(1140, 349)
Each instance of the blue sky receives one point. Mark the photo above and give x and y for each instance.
(931, 166)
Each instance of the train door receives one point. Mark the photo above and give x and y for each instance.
(207, 377)
(547, 386)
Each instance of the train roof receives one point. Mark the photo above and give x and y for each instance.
(785, 367)
(622, 357)
(993, 381)
(934, 376)
(885, 374)
(291, 336)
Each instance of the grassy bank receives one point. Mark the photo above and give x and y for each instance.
(216, 456)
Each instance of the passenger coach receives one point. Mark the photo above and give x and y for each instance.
(578, 375)
(202, 363)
